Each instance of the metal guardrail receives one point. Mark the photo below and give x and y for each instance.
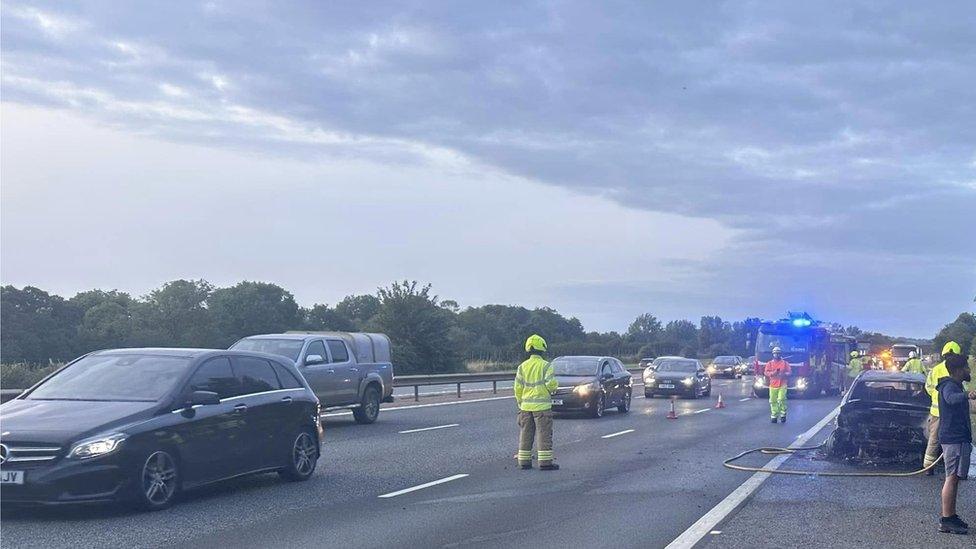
(415, 381)
(418, 381)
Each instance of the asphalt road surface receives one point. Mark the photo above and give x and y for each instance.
(442, 475)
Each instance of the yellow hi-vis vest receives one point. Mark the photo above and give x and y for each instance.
(535, 382)
(854, 367)
(932, 381)
(913, 366)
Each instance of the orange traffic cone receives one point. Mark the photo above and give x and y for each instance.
(671, 414)
(721, 403)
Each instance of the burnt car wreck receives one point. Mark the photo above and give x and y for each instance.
(882, 418)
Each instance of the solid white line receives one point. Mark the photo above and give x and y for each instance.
(717, 514)
(415, 406)
(702, 410)
(745, 399)
(422, 486)
(611, 435)
(429, 428)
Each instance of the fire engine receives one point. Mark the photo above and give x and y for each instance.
(817, 357)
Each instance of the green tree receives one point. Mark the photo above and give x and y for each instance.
(108, 320)
(962, 330)
(250, 308)
(646, 328)
(177, 315)
(37, 326)
(325, 318)
(681, 337)
(359, 309)
(418, 327)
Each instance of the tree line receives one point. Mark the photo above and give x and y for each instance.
(429, 335)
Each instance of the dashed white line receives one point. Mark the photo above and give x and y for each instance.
(611, 435)
(701, 411)
(422, 486)
(429, 428)
(747, 399)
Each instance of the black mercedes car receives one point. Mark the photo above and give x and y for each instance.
(726, 366)
(591, 384)
(882, 415)
(676, 376)
(141, 425)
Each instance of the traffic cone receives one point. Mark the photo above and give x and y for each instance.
(671, 414)
(721, 403)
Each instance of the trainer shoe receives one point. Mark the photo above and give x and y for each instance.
(949, 526)
(526, 465)
(549, 467)
(959, 521)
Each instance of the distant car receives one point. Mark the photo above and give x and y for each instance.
(591, 384)
(726, 366)
(676, 376)
(645, 362)
(749, 365)
(344, 369)
(142, 425)
(884, 413)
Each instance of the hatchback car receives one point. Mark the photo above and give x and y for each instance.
(726, 366)
(591, 384)
(142, 425)
(676, 376)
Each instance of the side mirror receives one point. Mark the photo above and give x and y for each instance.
(203, 398)
(312, 360)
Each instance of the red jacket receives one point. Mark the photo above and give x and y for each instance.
(777, 371)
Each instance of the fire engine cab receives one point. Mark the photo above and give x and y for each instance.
(817, 357)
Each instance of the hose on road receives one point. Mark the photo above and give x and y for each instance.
(772, 450)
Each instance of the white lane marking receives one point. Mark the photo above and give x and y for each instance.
(429, 428)
(415, 406)
(701, 411)
(422, 486)
(745, 399)
(611, 435)
(972, 466)
(717, 514)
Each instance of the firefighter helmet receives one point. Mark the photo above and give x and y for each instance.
(535, 343)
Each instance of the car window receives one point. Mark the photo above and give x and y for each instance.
(217, 376)
(606, 368)
(118, 377)
(255, 375)
(317, 348)
(618, 368)
(289, 348)
(338, 349)
(287, 379)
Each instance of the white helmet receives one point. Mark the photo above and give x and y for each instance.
(776, 350)
(911, 354)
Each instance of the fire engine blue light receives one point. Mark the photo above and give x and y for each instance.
(801, 322)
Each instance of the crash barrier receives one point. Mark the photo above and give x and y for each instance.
(418, 381)
(772, 450)
(9, 394)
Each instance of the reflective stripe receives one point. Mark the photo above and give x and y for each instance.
(519, 381)
(533, 383)
(538, 400)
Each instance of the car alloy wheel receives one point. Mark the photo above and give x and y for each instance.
(159, 480)
(304, 454)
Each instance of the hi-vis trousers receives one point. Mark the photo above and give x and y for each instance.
(537, 427)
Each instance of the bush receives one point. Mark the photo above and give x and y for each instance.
(22, 376)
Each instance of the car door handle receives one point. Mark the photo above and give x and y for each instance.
(240, 408)
(331, 370)
(286, 399)
(354, 369)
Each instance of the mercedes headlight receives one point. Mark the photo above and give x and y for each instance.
(801, 383)
(688, 381)
(95, 447)
(585, 389)
(711, 368)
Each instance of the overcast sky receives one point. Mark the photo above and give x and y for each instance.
(605, 159)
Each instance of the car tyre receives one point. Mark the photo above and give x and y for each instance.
(708, 392)
(648, 394)
(158, 481)
(303, 457)
(838, 446)
(625, 403)
(599, 406)
(369, 409)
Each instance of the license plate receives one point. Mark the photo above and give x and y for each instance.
(667, 386)
(11, 477)
(557, 402)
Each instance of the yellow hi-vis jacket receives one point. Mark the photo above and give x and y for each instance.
(913, 366)
(854, 367)
(932, 381)
(535, 382)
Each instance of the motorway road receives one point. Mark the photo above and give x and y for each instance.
(641, 487)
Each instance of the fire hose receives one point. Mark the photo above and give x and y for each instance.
(772, 450)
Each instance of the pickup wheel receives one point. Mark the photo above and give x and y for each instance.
(369, 409)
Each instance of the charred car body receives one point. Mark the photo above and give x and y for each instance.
(882, 416)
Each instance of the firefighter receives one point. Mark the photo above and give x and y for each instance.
(854, 369)
(933, 449)
(535, 382)
(777, 371)
(913, 365)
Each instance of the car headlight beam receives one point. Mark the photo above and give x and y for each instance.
(95, 447)
(688, 381)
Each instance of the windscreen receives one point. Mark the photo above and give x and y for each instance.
(724, 361)
(290, 348)
(794, 346)
(901, 352)
(575, 366)
(135, 378)
(675, 365)
(891, 391)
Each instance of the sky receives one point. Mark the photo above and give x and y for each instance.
(604, 159)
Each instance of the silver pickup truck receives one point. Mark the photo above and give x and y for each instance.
(345, 370)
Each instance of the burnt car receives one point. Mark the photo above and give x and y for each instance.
(591, 384)
(882, 416)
